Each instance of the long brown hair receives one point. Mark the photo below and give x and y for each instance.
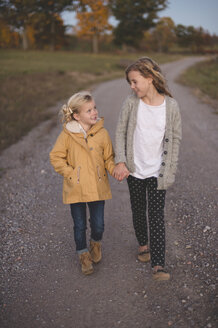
(149, 68)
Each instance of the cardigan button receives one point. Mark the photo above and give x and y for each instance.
(165, 152)
(160, 175)
(163, 163)
(166, 139)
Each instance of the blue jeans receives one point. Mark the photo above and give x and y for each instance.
(78, 212)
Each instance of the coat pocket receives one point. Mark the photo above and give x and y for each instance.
(102, 177)
(73, 180)
(99, 174)
(78, 174)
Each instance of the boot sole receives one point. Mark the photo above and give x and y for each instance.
(141, 259)
(144, 261)
(88, 272)
(96, 261)
(161, 278)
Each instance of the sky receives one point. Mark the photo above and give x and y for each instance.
(198, 13)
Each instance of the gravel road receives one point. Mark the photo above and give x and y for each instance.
(41, 282)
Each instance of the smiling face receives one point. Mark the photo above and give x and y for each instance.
(140, 84)
(87, 115)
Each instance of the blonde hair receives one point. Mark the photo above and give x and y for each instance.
(149, 68)
(73, 105)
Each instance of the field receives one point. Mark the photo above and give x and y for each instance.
(33, 81)
(19, 62)
(203, 76)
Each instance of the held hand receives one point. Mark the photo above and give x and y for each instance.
(120, 172)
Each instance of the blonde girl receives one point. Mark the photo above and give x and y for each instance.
(82, 154)
(148, 135)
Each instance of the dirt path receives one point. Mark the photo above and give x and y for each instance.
(41, 283)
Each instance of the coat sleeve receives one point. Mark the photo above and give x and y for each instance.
(177, 136)
(108, 154)
(121, 134)
(58, 156)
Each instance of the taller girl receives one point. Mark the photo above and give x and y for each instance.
(147, 146)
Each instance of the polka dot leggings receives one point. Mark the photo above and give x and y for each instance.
(147, 201)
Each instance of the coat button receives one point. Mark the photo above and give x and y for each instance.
(91, 135)
(163, 163)
(166, 139)
(160, 175)
(165, 152)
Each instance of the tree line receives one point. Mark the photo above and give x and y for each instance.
(37, 24)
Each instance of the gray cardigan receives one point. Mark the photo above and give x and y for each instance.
(124, 139)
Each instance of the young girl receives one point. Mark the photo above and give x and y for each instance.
(147, 145)
(81, 154)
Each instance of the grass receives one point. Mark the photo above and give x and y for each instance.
(204, 76)
(20, 62)
(33, 81)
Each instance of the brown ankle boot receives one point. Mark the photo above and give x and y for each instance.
(95, 251)
(144, 256)
(86, 263)
(160, 275)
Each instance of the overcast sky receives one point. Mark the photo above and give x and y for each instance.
(198, 13)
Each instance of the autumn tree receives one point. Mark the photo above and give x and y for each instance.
(213, 40)
(193, 38)
(183, 35)
(20, 13)
(42, 33)
(51, 10)
(148, 44)
(92, 18)
(8, 37)
(164, 34)
(134, 18)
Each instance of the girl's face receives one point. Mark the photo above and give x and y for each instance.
(140, 84)
(87, 115)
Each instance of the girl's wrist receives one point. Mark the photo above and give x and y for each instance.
(121, 163)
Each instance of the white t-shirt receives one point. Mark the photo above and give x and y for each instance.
(148, 139)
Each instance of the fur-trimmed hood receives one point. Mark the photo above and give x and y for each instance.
(75, 127)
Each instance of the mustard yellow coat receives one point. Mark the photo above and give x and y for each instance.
(82, 159)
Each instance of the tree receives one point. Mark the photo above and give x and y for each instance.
(191, 37)
(20, 13)
(93, 20)
(8, 38)
(164, 34)
(183, 35)
(52, 9)
(41, 34)
(17, 13)
(134, 17)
